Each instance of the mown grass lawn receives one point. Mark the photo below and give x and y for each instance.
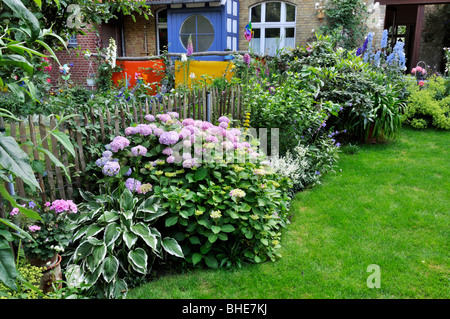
(387, 205)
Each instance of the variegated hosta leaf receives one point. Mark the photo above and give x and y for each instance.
(110, 268)
(91, 277)
(144, 232)
(138, 260)
(110, 216)
(83, 250)
(129, 238)
(172, 247)
(96, 258)
(112, 232)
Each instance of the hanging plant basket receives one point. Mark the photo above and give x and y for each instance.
(90, 81)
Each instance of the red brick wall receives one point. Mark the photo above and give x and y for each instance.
(79, 70)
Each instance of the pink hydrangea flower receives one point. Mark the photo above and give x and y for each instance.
(167, 151)
(149, 118)
(169, 138)
(163, 117)
(144, 129)
(224, 119)
(133, 184)
(188, 121)
(119, 143)
(111, 168)
(138, 150)
(170, 159)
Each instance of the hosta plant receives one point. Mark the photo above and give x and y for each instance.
(113, 240)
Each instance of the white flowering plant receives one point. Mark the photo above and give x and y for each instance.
(212, 180)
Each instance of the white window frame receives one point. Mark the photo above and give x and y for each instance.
(160, 26)
(282, 25)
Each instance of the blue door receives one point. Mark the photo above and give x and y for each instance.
(204, 27)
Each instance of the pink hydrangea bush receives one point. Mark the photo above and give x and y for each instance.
(211, 178)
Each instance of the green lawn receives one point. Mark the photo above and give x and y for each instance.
(387, 205)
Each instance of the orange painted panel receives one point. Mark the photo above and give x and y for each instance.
(148, 71)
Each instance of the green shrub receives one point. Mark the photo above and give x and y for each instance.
(428, 105)
(291, 108)
(198, 171)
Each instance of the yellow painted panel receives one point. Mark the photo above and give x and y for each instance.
(187, 72)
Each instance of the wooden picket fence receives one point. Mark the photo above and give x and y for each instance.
(89, 131)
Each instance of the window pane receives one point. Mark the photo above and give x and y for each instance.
(188, 25)
(271, 41)
(272, 33)
(162, 16)
(201, 31)
(289, 42)
(204, 42)
(203, 25)
(290, 13)
(256, 40)
(185, 38)
(256, 14)
(273, 12)
(162, 34)
(290, 32)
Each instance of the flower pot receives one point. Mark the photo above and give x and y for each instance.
(370, 138)
(52, 271)
(51, 274)
(39, 262)
(90, 82)
(320, 15)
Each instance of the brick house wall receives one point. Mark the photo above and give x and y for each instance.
(79, 70)
(135, 34)
(140, 36)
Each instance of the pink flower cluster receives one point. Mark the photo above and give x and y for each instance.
(138, 150)
(141, 129)
(418, 70)
(206, 140)
(34, 228)
(136, 185)
(119, 143)
(169, 138)
(61, 205)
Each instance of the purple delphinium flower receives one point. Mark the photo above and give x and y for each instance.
(384, 39)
